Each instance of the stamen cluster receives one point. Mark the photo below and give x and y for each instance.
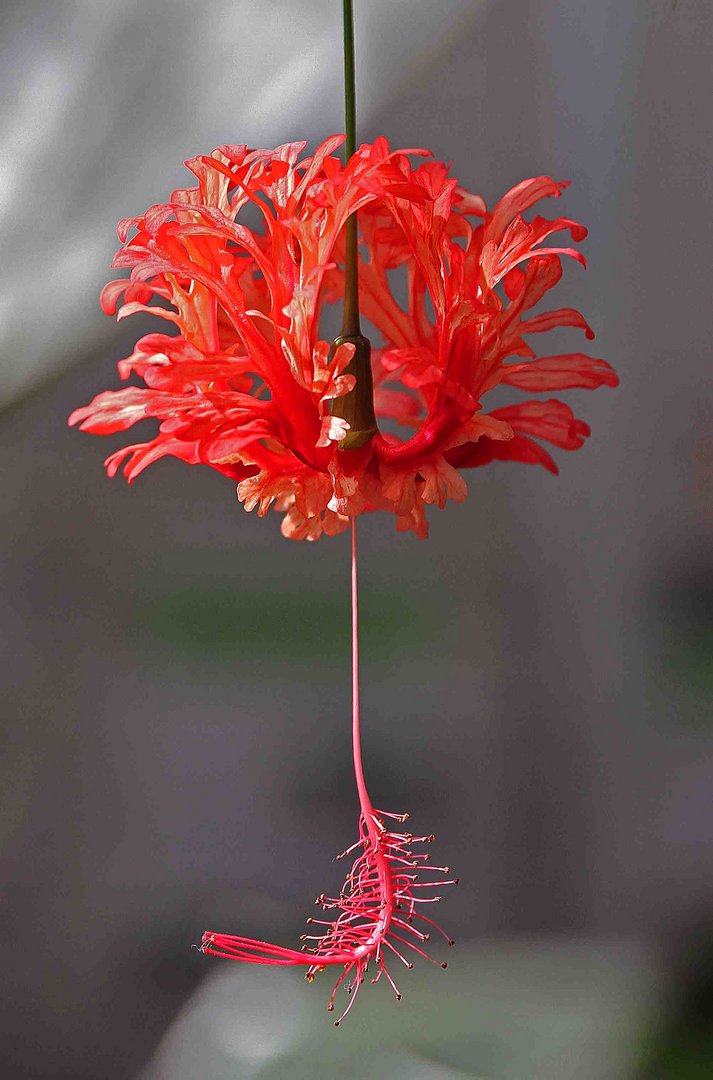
(379, 916)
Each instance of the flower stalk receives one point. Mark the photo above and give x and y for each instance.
(357, 406)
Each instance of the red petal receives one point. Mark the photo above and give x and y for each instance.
(564, 372)
(548, 320)
(483, 452)
(518, 199)
(550, 420)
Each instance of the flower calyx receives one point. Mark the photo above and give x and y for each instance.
(357, 405)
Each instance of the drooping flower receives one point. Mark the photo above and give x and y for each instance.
(246, 384)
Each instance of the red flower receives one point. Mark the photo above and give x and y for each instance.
(246, 384)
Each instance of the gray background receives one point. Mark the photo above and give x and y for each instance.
(537, 676)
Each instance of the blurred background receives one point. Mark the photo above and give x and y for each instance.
(537, 677)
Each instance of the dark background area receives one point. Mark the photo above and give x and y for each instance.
(537, 676)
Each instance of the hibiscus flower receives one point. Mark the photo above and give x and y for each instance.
(246, 385)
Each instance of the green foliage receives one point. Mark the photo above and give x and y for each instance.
(228, 623)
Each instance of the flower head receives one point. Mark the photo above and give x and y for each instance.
(246, 384)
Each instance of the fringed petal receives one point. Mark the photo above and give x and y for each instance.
(565, 372)
(246, 384)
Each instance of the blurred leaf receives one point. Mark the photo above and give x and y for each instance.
(226, 623)
(385, 1064)
(511, 1011)
(682, 647)
(684, 1049)
(690, 660)
(687, 1056)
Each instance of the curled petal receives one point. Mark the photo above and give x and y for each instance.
(334, 429)
(551, 319)
(134, 308)
(483, 426)
(246, 384)
(141, 455)
(441, 482)
(520, 448)
(551, 420)
(519, 199)
(114, 410)
(561, 373)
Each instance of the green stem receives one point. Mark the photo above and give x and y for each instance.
(349, 80)
(350, 317)
(356, 407)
